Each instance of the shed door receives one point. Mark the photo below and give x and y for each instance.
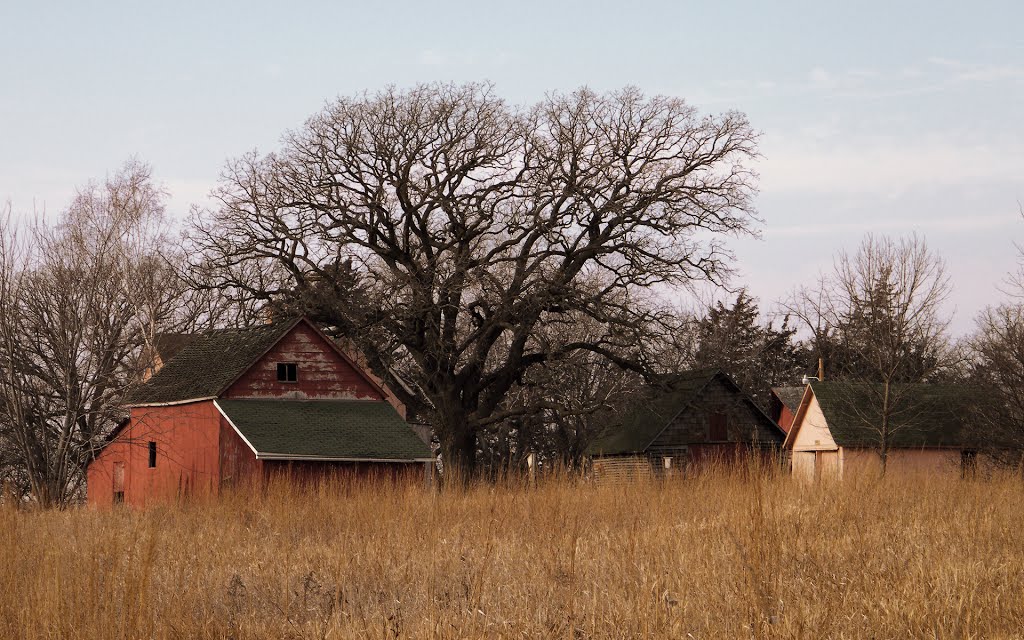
(826, 465)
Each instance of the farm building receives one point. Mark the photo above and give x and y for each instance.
(835, 432)
(698, 417)
(236, 406)
(783, 404)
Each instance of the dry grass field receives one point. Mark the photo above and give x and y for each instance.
(719, 556)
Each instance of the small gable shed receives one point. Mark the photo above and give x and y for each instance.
(837, 429)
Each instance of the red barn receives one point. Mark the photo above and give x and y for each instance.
(238, 405)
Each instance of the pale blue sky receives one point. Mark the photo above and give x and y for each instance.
(877, 116)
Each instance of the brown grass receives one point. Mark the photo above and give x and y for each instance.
(719, 556)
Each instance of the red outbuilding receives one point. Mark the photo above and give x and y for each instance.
(232, 407)
(782, 405)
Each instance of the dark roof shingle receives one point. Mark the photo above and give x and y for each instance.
(329, 429)
(925, 415)
(789, 396)
(641, 422)
(207, 363)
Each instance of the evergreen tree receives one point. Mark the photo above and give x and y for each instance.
(757, 356)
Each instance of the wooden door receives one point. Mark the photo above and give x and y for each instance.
(826, 465)
(118, 482)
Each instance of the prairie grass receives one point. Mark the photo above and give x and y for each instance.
(721, 555)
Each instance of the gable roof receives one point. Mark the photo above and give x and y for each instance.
(642, 421)
(926, 415)
(208, 363)
(168, 345)
(789, 396)
(368, 430)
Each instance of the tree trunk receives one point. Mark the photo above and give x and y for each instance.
(458, 446)
(883, 449)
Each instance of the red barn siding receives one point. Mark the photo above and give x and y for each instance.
(304, 472)
(786, 418)
(238, 463)
(322, 373)
(187, 455)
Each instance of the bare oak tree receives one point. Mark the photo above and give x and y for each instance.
(470, 225)
(879, 316)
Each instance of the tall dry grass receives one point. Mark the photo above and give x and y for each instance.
(718, 556)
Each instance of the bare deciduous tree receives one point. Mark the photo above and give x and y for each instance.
(998, 347)
(78, 302)
(879, 315)
(471, 225)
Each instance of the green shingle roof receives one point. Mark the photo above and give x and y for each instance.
(329, 429)
(789, 396)
(925, 415)
(208, 363)
(639, 424)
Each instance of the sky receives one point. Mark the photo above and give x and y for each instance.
(887, 117)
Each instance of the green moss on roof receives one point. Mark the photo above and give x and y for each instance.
(208, 362)
(925, 415)
(789, 396)
(346, 429)
(640, 422)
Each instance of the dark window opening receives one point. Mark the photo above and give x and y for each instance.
(287, 372)
(718, 427)
(119, 497)
(152, 455)
(968, 463)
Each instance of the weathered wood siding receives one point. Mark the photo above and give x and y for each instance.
(322, 373)
(622, 469)
(238, 464)
(688, 437)
(187, 462)
(786, 417)
(311, 472)
(934, 461)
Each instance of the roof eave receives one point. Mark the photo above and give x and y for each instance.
(308, 458)
(171, 403)
(798, 418)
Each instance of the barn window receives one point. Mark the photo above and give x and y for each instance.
(287, 372)
(718, 426)
(152, 455)
(119, 497)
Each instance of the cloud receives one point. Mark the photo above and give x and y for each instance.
(972, 224)
(845, 165)
(958, 71)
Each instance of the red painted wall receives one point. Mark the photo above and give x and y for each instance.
(238, 464)
(322, 373)
(785, 418)
(187, 462)
(305, 472)
(731, 454)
